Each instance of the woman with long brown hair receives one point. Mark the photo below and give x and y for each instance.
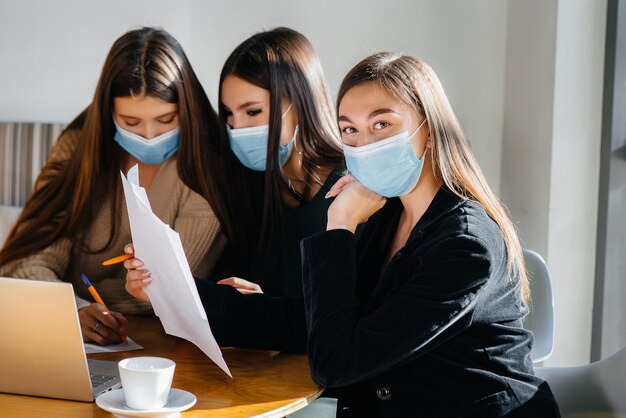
(150, 110)
(282, 155)
(422, 315)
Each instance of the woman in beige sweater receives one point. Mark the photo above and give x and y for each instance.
(149, 109)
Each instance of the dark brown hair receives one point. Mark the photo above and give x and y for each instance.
(416, 85)
(146, 61)
(285, 63)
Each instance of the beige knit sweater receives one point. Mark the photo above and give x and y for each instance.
(174, 203)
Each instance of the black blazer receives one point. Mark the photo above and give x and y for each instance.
(436, 334)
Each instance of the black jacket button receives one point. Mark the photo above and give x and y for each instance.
(383, 393)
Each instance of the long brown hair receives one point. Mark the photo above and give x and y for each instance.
(285, 63)
(146, 61)
(415, 84)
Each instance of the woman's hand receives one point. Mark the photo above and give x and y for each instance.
(136, 278)
(100, 326)
(353, 205)
(242, 285)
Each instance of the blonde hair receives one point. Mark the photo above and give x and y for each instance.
(415, 83)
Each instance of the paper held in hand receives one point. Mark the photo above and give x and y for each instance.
(172, 292)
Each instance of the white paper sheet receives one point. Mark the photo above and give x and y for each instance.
(113, 348)
(172, 292)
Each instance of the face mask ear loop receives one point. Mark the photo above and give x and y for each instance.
(414, 132)
(293, 139)
(295, 131)
(286, 111)
(418, 128)
(424, 154)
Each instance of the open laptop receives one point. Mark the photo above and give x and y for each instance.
(41, 345)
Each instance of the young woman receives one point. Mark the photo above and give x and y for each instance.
(439, 272)
(422, 315)
(148, 109)
(285, 156)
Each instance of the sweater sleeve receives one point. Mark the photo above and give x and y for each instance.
(434, 303)
(49, 264)
(200, 233)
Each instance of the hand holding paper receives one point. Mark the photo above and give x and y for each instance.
(172, 292)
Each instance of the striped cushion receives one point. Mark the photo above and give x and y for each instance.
(24, 148)
(8, 216)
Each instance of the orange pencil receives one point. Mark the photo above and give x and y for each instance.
(99, 300)
(117, 259)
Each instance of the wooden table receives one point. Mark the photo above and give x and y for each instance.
(264, 384)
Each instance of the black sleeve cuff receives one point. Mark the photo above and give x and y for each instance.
(328, 274)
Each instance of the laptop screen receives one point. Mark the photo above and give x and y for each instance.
(41, 351)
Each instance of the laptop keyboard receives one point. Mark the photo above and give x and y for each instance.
(99, 380)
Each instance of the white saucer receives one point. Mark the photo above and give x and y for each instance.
(113, 402)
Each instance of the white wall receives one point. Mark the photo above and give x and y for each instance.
(576, 135)
(527, 130)
(609, 318)
(52, 51)
(551, 151)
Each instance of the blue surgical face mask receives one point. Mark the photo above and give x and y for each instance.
(388, 167)
(250, 145)
(148, 151)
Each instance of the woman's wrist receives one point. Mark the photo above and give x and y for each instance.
(336, 224)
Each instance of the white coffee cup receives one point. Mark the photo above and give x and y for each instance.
(146, 381)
